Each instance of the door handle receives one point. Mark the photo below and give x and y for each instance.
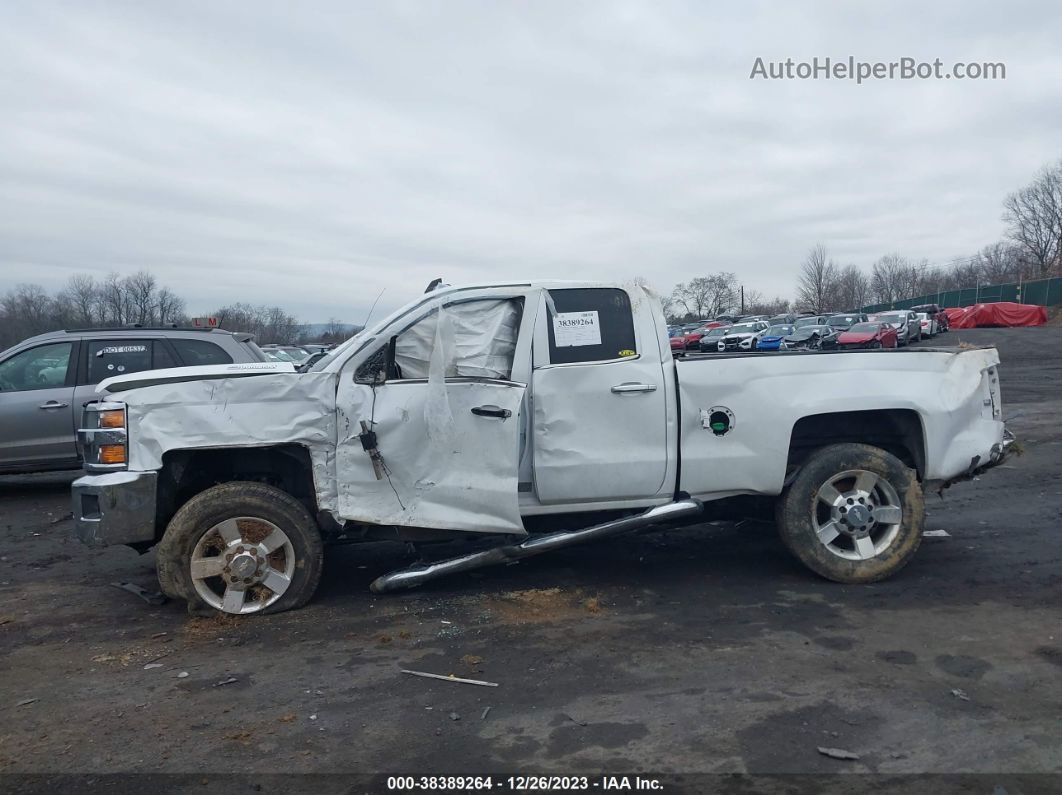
(53, 404)
(620, 389)
(491, 411)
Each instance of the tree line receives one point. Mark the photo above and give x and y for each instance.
(137, 299)
(1030, 249)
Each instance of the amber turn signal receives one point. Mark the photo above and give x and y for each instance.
(112, 418)
(112, 454)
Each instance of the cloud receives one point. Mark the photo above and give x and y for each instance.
(314, 155)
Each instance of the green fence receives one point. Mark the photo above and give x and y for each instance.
(1045, 292)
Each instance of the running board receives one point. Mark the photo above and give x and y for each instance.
(410, 578)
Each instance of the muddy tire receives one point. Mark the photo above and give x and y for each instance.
(241, 548)
(853, 514)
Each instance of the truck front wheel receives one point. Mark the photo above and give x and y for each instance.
(853, 514)
(241, 548)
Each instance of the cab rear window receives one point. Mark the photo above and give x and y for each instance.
(591, 325)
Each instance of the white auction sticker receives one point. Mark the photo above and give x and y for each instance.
(573, 329)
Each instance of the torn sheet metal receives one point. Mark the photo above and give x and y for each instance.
(480, 337)
(278, 408)
(463, 479)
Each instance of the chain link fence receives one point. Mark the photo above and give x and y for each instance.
(1045, 292)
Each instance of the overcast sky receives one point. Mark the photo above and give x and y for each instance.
(311, 154)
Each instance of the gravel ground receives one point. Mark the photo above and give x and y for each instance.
(707, 649)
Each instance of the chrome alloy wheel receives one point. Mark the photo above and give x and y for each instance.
(857, 514)
(242, 565)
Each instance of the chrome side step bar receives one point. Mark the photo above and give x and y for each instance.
(410, 578)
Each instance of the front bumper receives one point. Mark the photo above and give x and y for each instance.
(115, 508)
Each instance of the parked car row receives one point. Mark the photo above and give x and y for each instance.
(839, 330)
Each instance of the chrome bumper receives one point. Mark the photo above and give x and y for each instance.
(115, 508)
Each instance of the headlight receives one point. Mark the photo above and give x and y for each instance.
(103, 438)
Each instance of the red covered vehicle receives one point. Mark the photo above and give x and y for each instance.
(867, 335)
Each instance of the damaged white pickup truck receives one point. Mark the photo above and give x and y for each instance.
(490, 410)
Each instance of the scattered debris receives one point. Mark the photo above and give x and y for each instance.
(936, 534)
(159, 635)
(837, 753)
(593, 604)
(486, 711)
(313, 717)
(454, 716)
(63, 518)
(573, 720)
(471, 659)
(149, 666)
(182, 675)
(151, 597)
(288, 718)
(228, 681)
(26, 702)
(958, 693)
(450, 678)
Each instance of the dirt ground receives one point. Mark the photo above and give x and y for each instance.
(703, 650)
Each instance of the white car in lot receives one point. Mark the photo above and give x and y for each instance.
(908, 328)
(928, 324)
(742, 336)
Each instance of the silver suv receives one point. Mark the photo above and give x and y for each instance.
(46, 381)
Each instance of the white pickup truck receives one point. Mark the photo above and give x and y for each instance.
(493, 409)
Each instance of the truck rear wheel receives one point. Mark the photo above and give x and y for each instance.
(241, 548)
(853, 514)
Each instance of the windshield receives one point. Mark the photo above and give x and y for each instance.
(865, 328)
(742, 328)
(716, 332)
(779, 331)
(277, 355)
(841, 320)
(804, 332)
(807, 321)
(296, 354)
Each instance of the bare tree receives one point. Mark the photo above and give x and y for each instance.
(706, 296)
(1034, 221)
(853, 289)
(141, 298)
(114, 301)
(757, 304)
(817, 283)
(269, 324)
(169, 307)
(892, 278)
(81, 298)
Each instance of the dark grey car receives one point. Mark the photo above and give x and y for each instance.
(45, 381)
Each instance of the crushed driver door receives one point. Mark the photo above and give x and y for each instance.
(445, 421)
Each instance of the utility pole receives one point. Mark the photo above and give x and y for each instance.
(742, 299)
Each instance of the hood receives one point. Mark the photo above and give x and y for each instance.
(120, 383)
(856, 336)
